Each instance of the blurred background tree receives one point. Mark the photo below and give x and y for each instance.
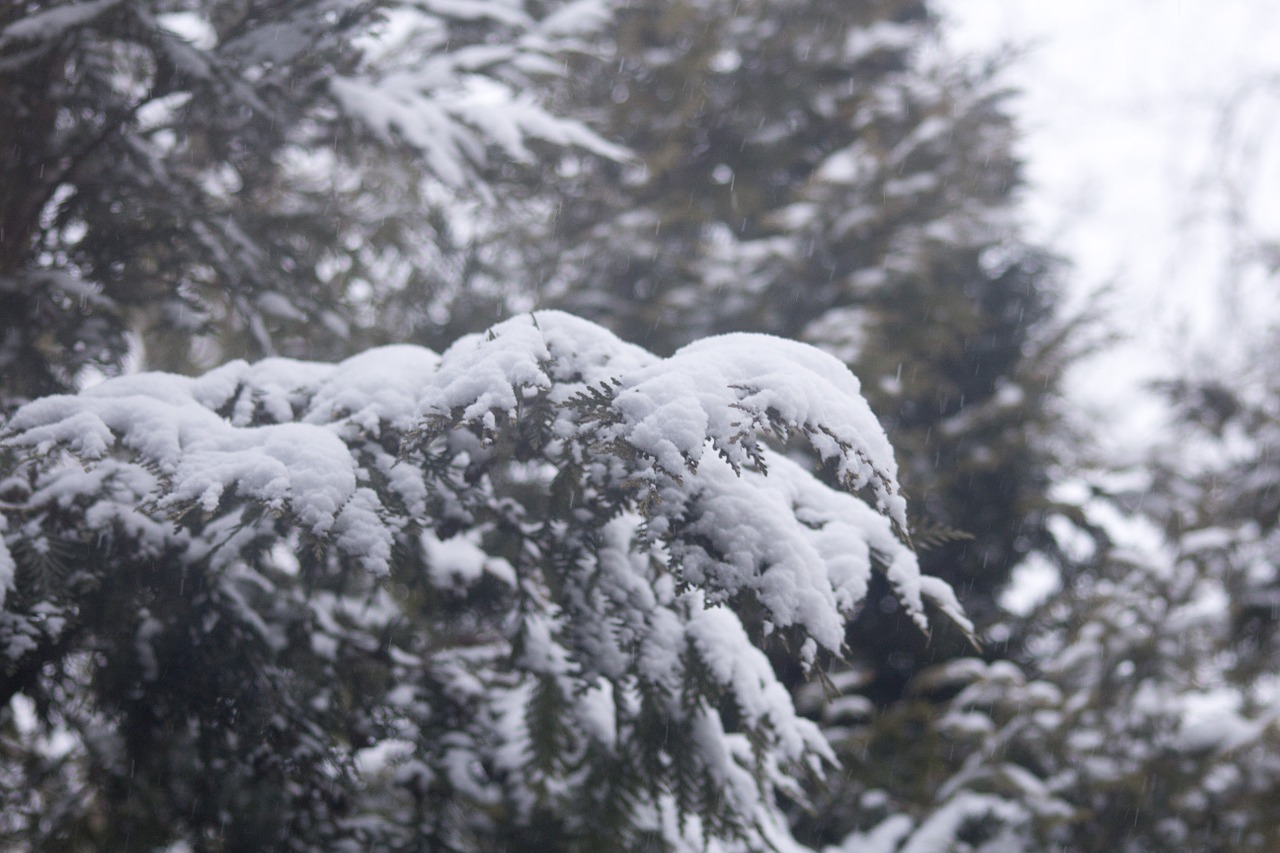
(197, 173)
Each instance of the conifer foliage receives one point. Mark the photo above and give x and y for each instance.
(518, 590)
(190, 170)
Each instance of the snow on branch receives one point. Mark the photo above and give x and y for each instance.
(693, 429)
(647, 521)
(425, 85)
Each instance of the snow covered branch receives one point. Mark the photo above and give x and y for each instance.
(620, 532)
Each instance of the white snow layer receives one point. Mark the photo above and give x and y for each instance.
(7, 566)
(297, 438)
(453, 103)
(49, 24)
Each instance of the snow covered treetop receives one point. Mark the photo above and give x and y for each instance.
(636, 515)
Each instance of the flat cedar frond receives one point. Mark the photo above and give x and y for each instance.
(929, 536)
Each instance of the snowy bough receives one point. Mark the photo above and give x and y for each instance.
(526, 592)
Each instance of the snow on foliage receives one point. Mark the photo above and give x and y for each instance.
(452, 101)
(242, 138)
(1139, 721)
(634, 519)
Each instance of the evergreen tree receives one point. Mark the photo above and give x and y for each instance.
(191, 169)
(1217, 487)
(506, 597)
(1129, 724)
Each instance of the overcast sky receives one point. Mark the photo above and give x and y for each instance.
(1124, 113)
